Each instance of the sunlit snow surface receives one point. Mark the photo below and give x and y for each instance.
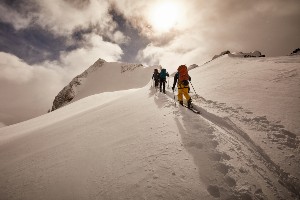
(132, 142)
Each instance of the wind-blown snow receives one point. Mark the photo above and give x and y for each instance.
(133, 142)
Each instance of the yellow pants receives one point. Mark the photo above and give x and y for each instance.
(183, 90)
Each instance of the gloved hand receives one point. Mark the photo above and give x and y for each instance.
(173, 89)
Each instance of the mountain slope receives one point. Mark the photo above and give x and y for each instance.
(264, 86)
(101, 77)
(261, 96)
(138, 144)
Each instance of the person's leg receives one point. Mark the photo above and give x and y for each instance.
(187, 96)
(164, 86)
(180, 94)
(160, 84)
(185, 92)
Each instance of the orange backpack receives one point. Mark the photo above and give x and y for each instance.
(183, 73)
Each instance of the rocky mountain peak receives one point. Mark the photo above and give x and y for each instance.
(68, 92)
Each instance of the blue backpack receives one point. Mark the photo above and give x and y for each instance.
(163, 74)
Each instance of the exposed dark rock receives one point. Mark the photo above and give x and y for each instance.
(295, 52)
(221, 54)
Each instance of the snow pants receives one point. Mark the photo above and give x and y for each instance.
(162, 85)
(156, 81)
(183, 90)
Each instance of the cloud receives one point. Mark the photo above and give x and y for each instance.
(63, 17)
(182, 50)
(28, 90)
(209, 27)
(94, 49)
(11, 16)
(2, 124)
(13, 69)
(25, 90)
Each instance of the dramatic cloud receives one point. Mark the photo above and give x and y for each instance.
(63, 17)
(94, 49)
(171, 54)
(13, 17)
(209, 27)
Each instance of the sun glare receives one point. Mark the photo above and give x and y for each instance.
(164, 16)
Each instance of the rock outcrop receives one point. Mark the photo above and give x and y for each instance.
(295, 52)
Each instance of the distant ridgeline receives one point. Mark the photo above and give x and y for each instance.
(240, 54)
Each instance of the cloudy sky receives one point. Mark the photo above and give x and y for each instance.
(44, 44)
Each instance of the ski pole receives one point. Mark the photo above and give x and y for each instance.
(194, 89)
(174, 98)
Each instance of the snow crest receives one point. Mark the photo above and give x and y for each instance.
(70, 91)
(240, 54)
(101, 77)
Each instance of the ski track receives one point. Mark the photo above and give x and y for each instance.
(233, 145)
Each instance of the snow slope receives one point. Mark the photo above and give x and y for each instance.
(264, 86)
(139, 144)
(114, 76)
(101, 77)
(262, 97)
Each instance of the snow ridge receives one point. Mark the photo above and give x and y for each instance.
(69, 92)
(129, 67)
(90, 80)
(239, 54)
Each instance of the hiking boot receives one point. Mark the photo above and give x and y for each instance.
(181, 103)
(189, 103)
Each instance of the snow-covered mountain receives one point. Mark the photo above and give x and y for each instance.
(102, 77)
(120, 138)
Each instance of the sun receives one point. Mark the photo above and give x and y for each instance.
(164, 16)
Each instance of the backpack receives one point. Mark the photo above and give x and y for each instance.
(163, 73)
(183, 73)
(156, 74)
